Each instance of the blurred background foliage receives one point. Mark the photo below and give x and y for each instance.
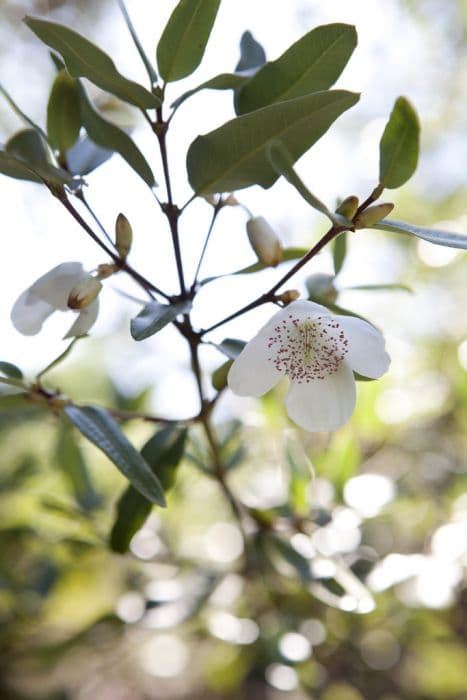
(352, 586)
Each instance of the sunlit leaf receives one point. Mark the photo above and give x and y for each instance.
(163, 452)
(84, 59)
(312, 64)
(432, 235)
(399, 145)
(183, 41)
(98, 426)
(155, 316)
(63, 113)
(234, 155)
(111, 137)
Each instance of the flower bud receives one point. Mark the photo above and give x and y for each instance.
(106, 270)
(320, 287)
(289, 296)
(231, 201)
(123, 236)
(348, 207)
(373, 214)
(84, 292)
(264, 241)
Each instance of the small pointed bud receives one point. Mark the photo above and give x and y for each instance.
(264, 241)
(106, 270)
(289, 296)
(123, 236)
(231, 201)
(348, 207)
(320, 287)
(84, 292)
(372, 215)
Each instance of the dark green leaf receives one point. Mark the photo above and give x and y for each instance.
(63, 113)
(399, 145)
(155, 316)
(219, 376)
(10, 370)
(85, 156)
(339, 251)
(71, 461)
(147, 63)
(231, 347)
(28, 145)
(234, 155)
(312, 64)
(252, 54)
(224, 81)
(27, 158)
(163, 452)
(83, 58)
(111, 137)
(282, 553)
(446, 238)
(98, 426)
(183, 41)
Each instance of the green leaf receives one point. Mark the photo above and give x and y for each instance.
(252, 54)
(432, 235)
(71, 461)
(28, 145)
(147, 63)
(231, 347)
(380, 288)
(234, 155)
(63, 113)
(10, 370)
(85, 156)
(84, 59)
(98, 426)
(219, 376)
(183, 41)
(111, 137)
(282, 163)
(224, 81)
(29, 160)
(339, 251)
(163, 452)
(281, 552)
(287, 255)
(399, 145)
(155, 316)
(312, 64)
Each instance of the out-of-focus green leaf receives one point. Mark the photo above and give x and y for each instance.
(14, 167)
(71, 461)
(147, 63)
(399, 145)
(219, 376)
(252, 54)
(300, 473)
(163, 452)
(313, 63)
(27, 147)
(8, 369)
(224, 81)
(231, 347)
(111, 137)
(155, 316)
(380, 288)
(98, 426)
(63, 113)
(85, 156)
(287, 255)
(339, 251)
(183, 41)
(84, 59)
(234, 155)
(432, 235)
(286, 559)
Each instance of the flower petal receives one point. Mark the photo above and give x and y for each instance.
(86, 319)
(55, 286)
(366, 354)
(322, 404)
(302, 309)
(252, 374)
(29, 313)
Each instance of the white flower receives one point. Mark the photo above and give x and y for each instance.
(317, 351)
(48, 294)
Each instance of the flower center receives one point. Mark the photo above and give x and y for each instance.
(307, 349)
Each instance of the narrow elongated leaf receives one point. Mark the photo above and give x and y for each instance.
(282, 163)
(312, 64)
(223, 81)
(432, 235)
(252, 54)
(84, 59)
(163, 452)
(154, 317)
(85, 156)
(234, 155)
(288, 254)
(8, 369)
(286, 559)
(339, 252)
(399, 145)
(98, 426)
(183, 41)
(111, 137)
(379, 288)
(71, 461)
(63, 113)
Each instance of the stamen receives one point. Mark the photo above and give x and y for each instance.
(307, 349)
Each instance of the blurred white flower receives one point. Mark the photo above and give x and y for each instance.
(48, 294)
(318, 352)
